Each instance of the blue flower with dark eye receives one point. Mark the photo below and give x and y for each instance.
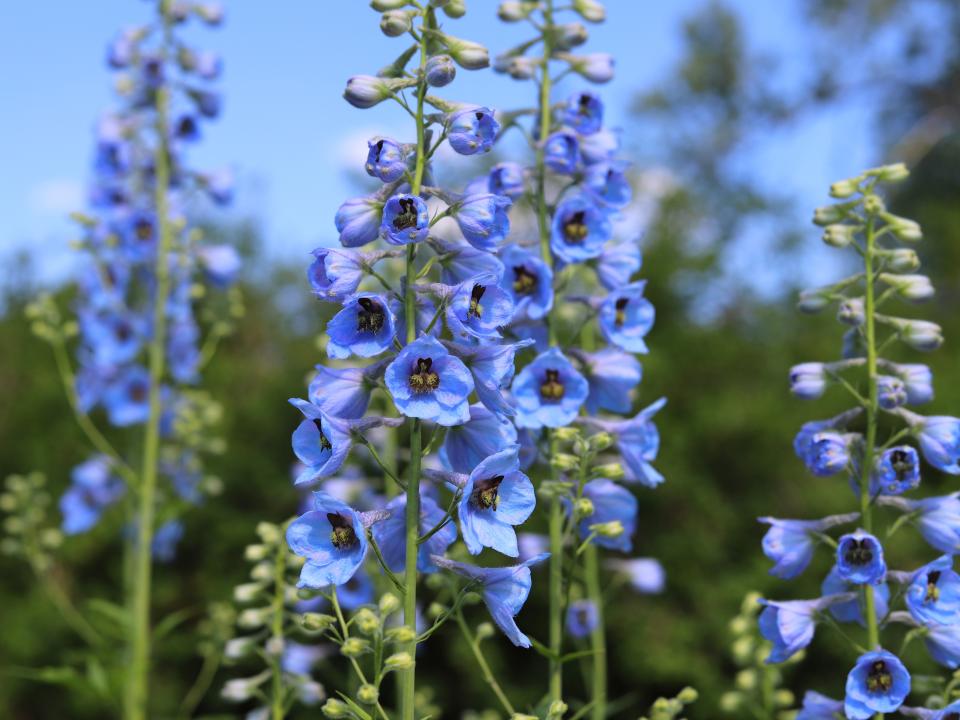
(460, 261)
(860, 558)
(852, 610)
(426, 381)
(549, 391)
(584, 113)
(405, 220)
(93, 488)
(612, 503)
(183, 349)
(612, 375)
(385, 159)
(472, 130)
(638, 442)
(580, 229)
(331, 538)
(478, 308)
(790, 543)
(626, 317)
(320, 442)
(878, 683)
(805, 438)
(582, 618)
(483, 435)
(950, 712)
(943, 644)
(483, 219)
(390, 533)
(618, 263)
(505, 590)
(114, 336)
(819, 707)
(127, 397)
(186, 128)
(939, 437)
(528, 280)
(897, 470)
(335, 274)
(139, 236)
(933, 596)
(358, 221)
(343, 392)
(492, 367)
(561, 152)
(609, 184)
(645, 575)
(496, 496)
(365, 327)
(506, 178)
(891, 392)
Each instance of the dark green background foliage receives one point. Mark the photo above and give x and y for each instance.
(719, 353)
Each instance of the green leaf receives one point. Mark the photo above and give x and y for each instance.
(116, 615)
(364, 715)
(171, 621)
(97, 677)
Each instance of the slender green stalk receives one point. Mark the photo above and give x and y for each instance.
(345, 632)
(138, 679)
(598, 641)
(276, 631)
(484, 666)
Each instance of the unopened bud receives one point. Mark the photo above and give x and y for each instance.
(905, 229)
(366, 621)
(354, 647)
(896, 172)
(386, 5)
(839, 236)
(902, 260)
(851, 311)
(583, 507)
(567, 433)
(399, 661)
(590, 10)
(368, 694)
(253, 553)
(556, 710)
(247, 592)
(812, 301)
(873, 205)
(466, 53)
(316, 622)
(484, 631)
(389, 603)
(455, 9)
(611, 529)
(268, 533)
(915, 288)
(731, 701)
(783, 698)
(611, 471)
(570, 35)
(252, 618)
(844, 188)
(601, 441)
(564, 461)
(334, 708)
(274, 647)
(514, 10)
(401, 634)
(395, 23)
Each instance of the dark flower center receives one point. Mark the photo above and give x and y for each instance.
(143, 229)
(485, 493)
(901, 463)
(933, 592)
(858, 552)
(879, 678)
(583, 107)
(324, 442)
(123, 331)
(379, 147)
(574, 227)
(551, 388)
(186, 126)
(424, 379)
(138, 392)
(583, 615)
(478, 115)
(370, 316)
(476, 295)
(407, 217)
(342, 534)
(524, 281)
(621, 315)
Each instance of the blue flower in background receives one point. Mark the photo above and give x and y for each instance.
(612, 375)
(897, 470)
(580, 229)
(385, 159)
(878, 683)
(405, 220)
(638, 441)
(918, 380)
(483, 435)
(612, 503)
(528, 280)
(390, 534)
(365, 327)
(492, 367)
(334, 274)
(93, 488)
(139, 236)
(472, 130)
(165, 541)
(478, 308)
(789, 626)
(426, 381)
(221, 263)
(939, 437)
(584, 112)
(115, 336)
(626, 317)
(561, 152)
(460, 262)
(933, 596)
(819, 707)
(331, 538)
(808, 380)
(790, 543)
(618, 263)
(342, 392)
(608, 183)
(483, 219)
(549, 391)
(851, 610)
(496, 496)
(943, 644)
(582, 618)
(183, 349)
(860, 558)
(600, 146)
(356, 591)
(505, 590)
(321, 442)
(506, 178)
(645, 575)
(358, 221)
(127, 397)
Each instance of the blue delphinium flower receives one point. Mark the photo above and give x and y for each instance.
(808, 380)
(471, 130)
(478, 308)
(505, 590)
(127, 398)
(860, 558)
(496, 496)
(878, 683)
(389, 534)
(618, 263)
(891, 392)
(897, 471)
(365, 327)
(584, 112)
(626, 317)
(221, 264)
(608, 183)
(819, 707)
(405, 220)
(483, 219)
(321, 442)
(580, 229)
(612, 503)
(331, 538)
(790, 543)
(358, 221)
(492, 367)
(529, 280)
(828, 454)
(645, 575)
(460, 261)
(612, 374)
(426, 381)
(93, 488)
(549, 391)
(937, 518)
(561, 152)
(600, 146)
(933, 595)
(939, 437)
(582, 618)
(165, 541)
(638, 442)
(506, 178)
(918, 380)
(386, 159)
(852, 610)
(790, 625)
(483, 435)
(335, 274)
(343, 392)
(115, 337)
(805, 438)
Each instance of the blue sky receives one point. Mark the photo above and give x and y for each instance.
(285, 128)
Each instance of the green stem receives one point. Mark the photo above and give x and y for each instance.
(276, 631)
(598, 642)
(345, 631)
(484, 667)
(138, 684)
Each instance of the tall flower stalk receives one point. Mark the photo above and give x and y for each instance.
(868, 444)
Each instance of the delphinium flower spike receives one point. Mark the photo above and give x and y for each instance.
(573, 287)
(880, 469)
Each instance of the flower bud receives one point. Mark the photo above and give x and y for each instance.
(366, 621)
(746, 679)
(611, 471)
(891, 392)
(742, 650)
(238, 689)
(915, 288)
(839, 236)
(334, 708)
(253, 553)
(247, 592)
(730, 702)
(902, 260)
(590, 10)
(368, 694)
(808, 380)
(873, 205)
(611, 529)
(829, 214)
(252, 618)
(568, 433)
(570, 35)
(600, 441)
(395, 23)
(583, 507)
(262, 572)
(812, 301)
(387, 5)
(595, 67)
(845, 188)
(921, 335)
(688, 695)
(521, 67)
(399, 661)
(401, 634)
(455, 9)
(274, 647)
(484, 631)
(236, 648)
(354, 647)
(896, 172)
(556, 710)
(523, 716)
(268, 533)
(783, 698)
(564, 461)
(440, 70)
(365, 91)
(467, 54)
(905, 229)
(389, 603)
(851, 311)
(514, 10)
(316, 622)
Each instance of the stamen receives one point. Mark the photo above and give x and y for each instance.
(933, 592)
(621, 315)
(524, 281)
(485, 493)
(475, 296)
(424, 379)
(370, 318)
(407, 217)
(575, 229)
(552, 388)
(324, 443)
(342, 534)
(858, 552)
(879, 678)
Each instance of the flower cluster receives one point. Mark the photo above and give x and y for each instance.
(881, 469)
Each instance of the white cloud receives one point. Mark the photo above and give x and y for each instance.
(58, 196)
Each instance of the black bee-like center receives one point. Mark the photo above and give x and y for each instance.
(879, 678)
(575, 227)
(379, 147)
(476, 295)
(552, 387)
(143, 229)
(621, 311)
(858, 552)
(342, 534)
(524, 281)
(370, 317)
(324, 442)
(424, 379)
(486, 493)
(407, 217)
(933, 592)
